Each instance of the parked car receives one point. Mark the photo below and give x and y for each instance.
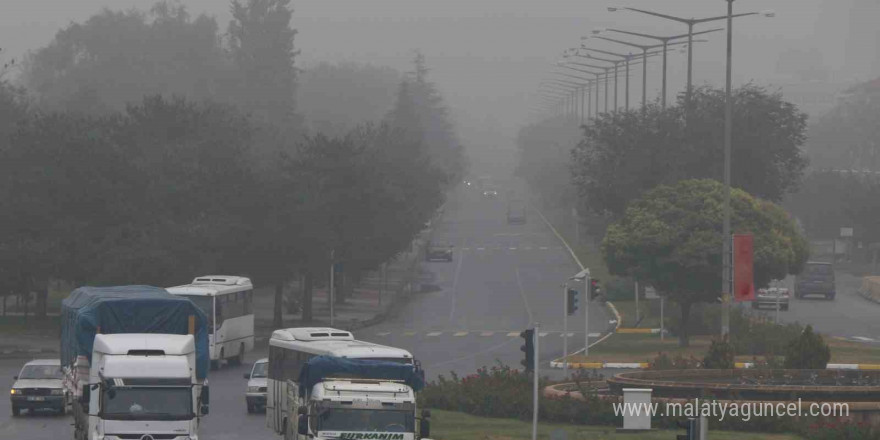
(436, 251)
(816, 279)
(255, 396)
(38, 386)
(770, 297)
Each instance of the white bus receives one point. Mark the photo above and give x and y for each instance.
(228, 303)
(290, 349)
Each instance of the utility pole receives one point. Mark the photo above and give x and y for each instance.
(537, 336)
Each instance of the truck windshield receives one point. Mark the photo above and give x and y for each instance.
(146, 403)
(365, 420)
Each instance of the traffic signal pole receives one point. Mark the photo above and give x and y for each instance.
(565, 330)
(537, 337)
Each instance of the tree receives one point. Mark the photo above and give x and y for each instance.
(848, 137)
(670, 238)
(261, 44)
(336, 98)
(545, 158)
(807, 352)
(115, 58)
(624, 154)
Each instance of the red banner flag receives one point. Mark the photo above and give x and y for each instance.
(743, 275)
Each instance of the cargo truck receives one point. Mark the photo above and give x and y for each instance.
(135, 362)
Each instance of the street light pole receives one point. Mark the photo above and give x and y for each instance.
(728, 133)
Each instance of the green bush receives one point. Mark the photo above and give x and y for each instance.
(720, 355)
(750, 334)
(829, 430)
(808, 351)
(619, 289)
(663, 362)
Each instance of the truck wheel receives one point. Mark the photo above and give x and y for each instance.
(238, 359)
(16, 411)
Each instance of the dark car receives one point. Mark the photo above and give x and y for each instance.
(816, 279)
(516, 214)
(438, 252)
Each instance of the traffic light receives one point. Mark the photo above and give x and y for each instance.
(572, 303)
(595, 289)
(529, 349)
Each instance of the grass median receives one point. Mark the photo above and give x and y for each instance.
(447, 425)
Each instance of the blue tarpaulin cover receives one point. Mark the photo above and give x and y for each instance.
(128, 309)
(319, 368)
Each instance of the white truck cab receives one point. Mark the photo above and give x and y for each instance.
(360, 409)
(142, 385)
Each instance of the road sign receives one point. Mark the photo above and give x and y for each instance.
(651, 293)
(846, 232)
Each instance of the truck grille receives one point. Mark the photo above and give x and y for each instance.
(140, 436)
(36, 391)
(262, 389)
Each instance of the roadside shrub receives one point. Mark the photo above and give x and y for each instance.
(619, 289)
(808, 351)
(664, 362)
(720, 355)
(829, 430)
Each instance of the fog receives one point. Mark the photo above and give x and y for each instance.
(487, 56)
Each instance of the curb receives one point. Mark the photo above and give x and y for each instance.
(737, 365)
(868, 296)
(608, 304)
(646, 331)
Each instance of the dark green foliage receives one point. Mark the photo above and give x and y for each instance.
(808, 351)
(846, 137)
(720, 355)
(671, 239)
(664, 362)
(625, 154)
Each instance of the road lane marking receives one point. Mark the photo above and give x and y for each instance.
(513, 248)
(487, 333)
(512, 334)
(409, 333)
(595, 335)
(383, 333)
(455, 287)
(481, 249)
(569, 334)
(528, 248)
(460, 334)
(544, 248)
(542, 334)
(864, 339)
(433, 334)
(522, 294)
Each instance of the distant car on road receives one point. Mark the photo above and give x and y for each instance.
(516, 214)
(38, 386)
(256, 386)
(490, 193)
(816, 279)
(770, 297)
(438, 252)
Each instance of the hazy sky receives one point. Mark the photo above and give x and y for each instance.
(487, 56)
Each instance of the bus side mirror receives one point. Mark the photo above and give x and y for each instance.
(302, 425)
(85, 396)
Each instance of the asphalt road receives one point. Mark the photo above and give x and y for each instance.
(502, 279)
(848, 316)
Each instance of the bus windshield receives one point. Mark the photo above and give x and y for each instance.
(206, 304)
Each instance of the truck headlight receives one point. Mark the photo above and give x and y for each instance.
(253, 389)
(57, 392)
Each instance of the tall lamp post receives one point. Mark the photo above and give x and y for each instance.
(665, 41)
(690, 22)
(597, 76)
(627, 59)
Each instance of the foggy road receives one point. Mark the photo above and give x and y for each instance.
(503, 277)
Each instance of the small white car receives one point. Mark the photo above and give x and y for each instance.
(38, 386)
(256, 386)
(770, 297)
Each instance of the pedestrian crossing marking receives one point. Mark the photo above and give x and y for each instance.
(383, 333)
(460, 334)
(544, 248)
(434, 334)
(569, 334)
(513, 248)
(409, 333)
(542, 334)
(511, 334)
(487, 333)
(481, 249)
(595, 335)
